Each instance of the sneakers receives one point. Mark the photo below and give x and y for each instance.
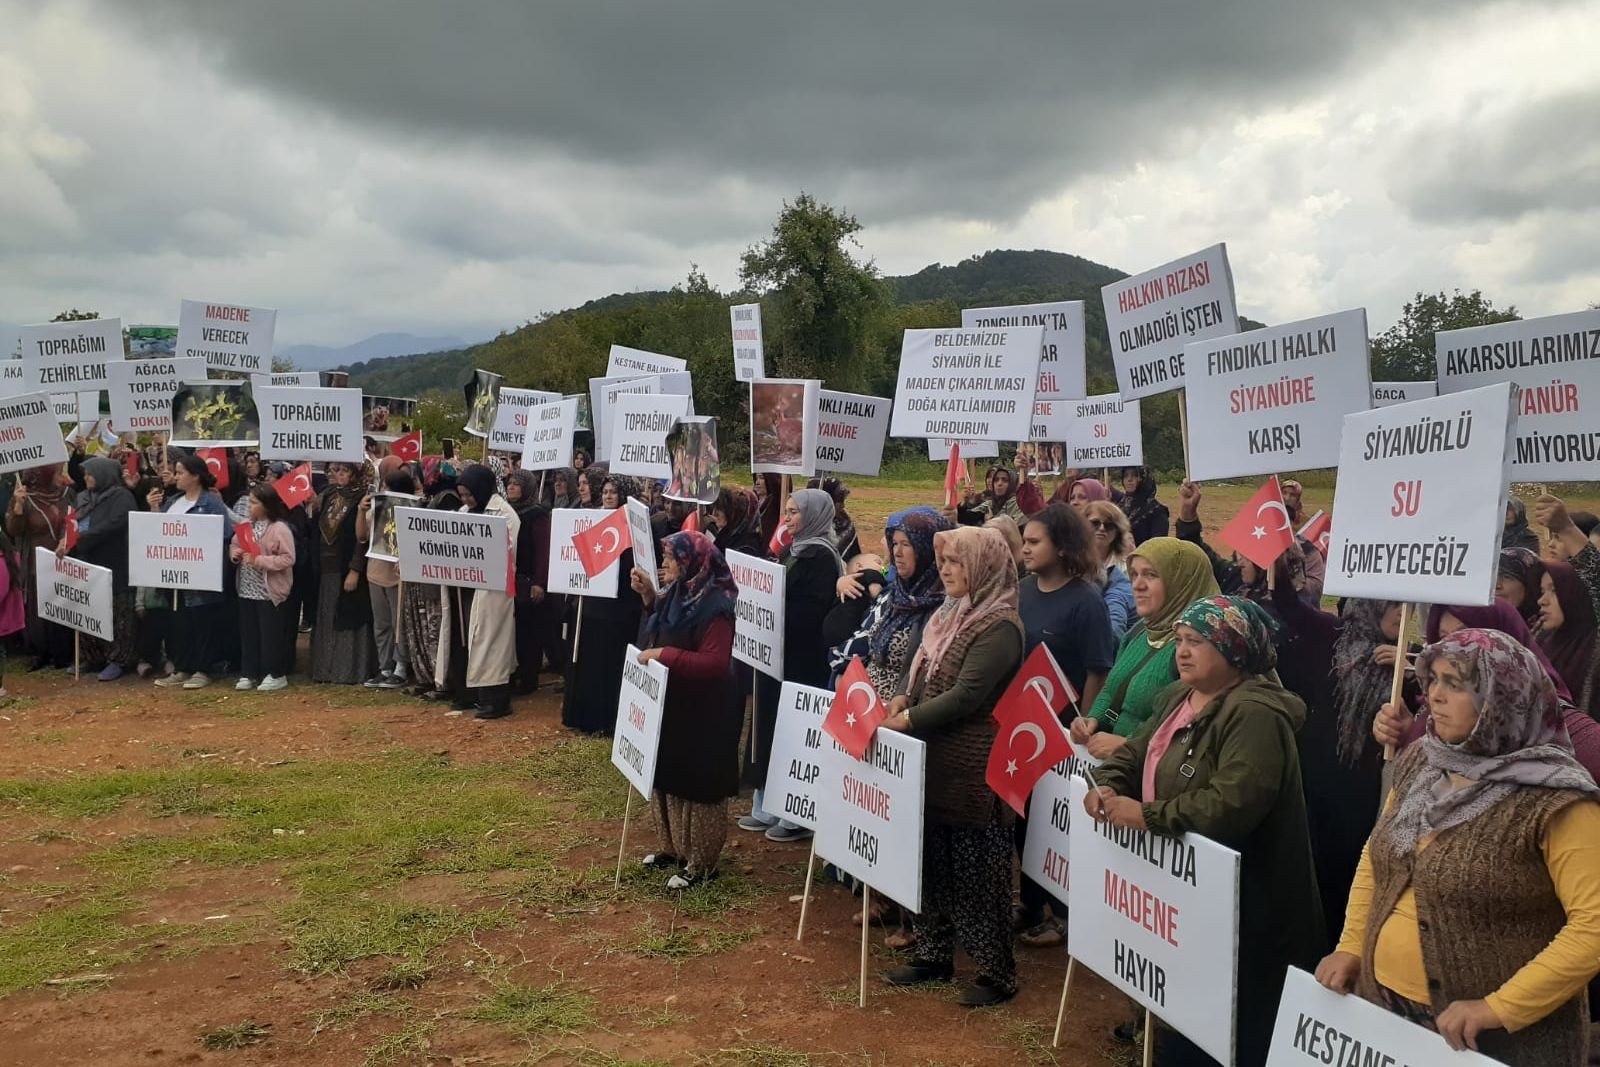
(269, 684)
(112, 672)
(375, 681)
(392, 681)
(756, 824)
(143, 669)
(781, 832)
(173, 680)
(245, 684)
(197, 680)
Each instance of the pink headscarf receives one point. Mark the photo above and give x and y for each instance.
(1093, 489)
(991, 591)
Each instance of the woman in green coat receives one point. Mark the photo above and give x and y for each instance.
(1167, 575)
(1219, 760)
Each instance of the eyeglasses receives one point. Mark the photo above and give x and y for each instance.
(1102, 524)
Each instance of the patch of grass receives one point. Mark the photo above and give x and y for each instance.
(361, 1005)
(762, 1055)
(405, 974)
(730, 892)
(64, 939)
(325, 937)
(559, 1008)
(409, 1041)
(237, 1036)
(355, 696)
(48, 737)
(49, 835)
(1032, 1038)
(593, 1057)
(683, 943)
(579, 770)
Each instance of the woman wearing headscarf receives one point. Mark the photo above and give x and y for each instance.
(195, 638)
(383, 582)
(689, 628)
(342, 648)
(1476, 908)
(1167, 576)
(1113, 544)
(999, 498)
(533, 575)
(477, 631)
(1516, 533)
(736, 521)
(608, 626)
(971, 646)
(422, 608)
(587, 488)
(36, 518)
(1147, 516)
(844, 528)
(1219, 759)
(563, 488)
(101, 512)
(1086, 491)
(1566, 630)
(1520, 582)
(811, 569)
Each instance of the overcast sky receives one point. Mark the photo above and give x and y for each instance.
(459, 168)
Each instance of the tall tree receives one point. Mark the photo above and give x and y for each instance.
(1404, 352)
(823, 297)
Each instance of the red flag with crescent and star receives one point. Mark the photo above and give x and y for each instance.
(70, 534)
(217, 462)
(1027, 745)
(602, 544)
(1317, 531)
(1040, 681)
(1261, 531)
(294, 488)
(408, 447)
(856, 711)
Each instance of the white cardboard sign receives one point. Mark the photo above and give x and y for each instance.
(73, 593)
(850, 432)
(1104, 431)
(603, 393)
(1273, 400)
(30, 436)
(749, 356)
(870, 823)
(758, 613)
(512, 415)
(566, 569)
(1050, 815)
(640, 708)
(1420, 501)
(795, 783)
(1387, 394)
(547, 441)
(640, 424)
(167, 551)
(1317, 1027)
(227, 336)
(81, 408)
(975, 384)
(12, 382)
(68, 357)
(1062, 362)
(1151, 316)
(295, 379)
(1556, 362)
(642, 538)
(320, 425)
(1158, 917)
(624, 362)
(939, 449)
(453, 548)
(141, 391)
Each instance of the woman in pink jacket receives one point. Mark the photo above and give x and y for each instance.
(266, 573)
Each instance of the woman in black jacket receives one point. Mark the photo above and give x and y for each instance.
(102, 516)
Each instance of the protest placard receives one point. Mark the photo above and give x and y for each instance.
(783, 426)
(384, 418)
(1274, 399)
(152, 342)
(566, 568)
(29, 433)
(758, 613)
(73, 593)
(1158, 917)
(696, 461)
(603, 393)
(749, 357)
(1151, 316)
(482, 392)
(1556, 362)
(640, 424)
(1050, 816)
(640, 709)
(643, 540)
(141, 391)
(850, 432)
(227, 336)
(1062, 374)
(511, 416)
(1387, 394)
(547, 442)
(385, 530)
(172, 551)
(80, 409)
(623, 362)
(1420, 500)
(1317, 1026)
(11, 379)
(292, 379)
(974, 384)
(63, 357)
(1104, 431)
(322, 425)
(794, 782)
(939, 449)
(870, 824)
(452, 548)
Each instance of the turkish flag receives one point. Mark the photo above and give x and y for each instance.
(1025, 748)
(408, 448)
(294, 488)
(1261, 531)
(954, 471)
(603, 543)
(71, 532)
(691, 522)
(853, 720)
(245, 535)
(1317, 530)
(782, 538)
(1040, 683)
(130, 463)
(217, 460)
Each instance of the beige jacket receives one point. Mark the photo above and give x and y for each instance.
(492, 630)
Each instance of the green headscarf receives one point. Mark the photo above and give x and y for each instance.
(1185, 572)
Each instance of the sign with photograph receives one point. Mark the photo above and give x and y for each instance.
(696, 466)
(215, 415)
(783, 426)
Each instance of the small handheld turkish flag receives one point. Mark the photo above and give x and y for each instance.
(782, 538)
(603, 543)
(1040, 683)
(1317, 530)
(1024, 749)
(294, 488)
(1261, 531)
(71, 532)
(217, 462)
(409, 447)
(130, 463)
(856, 710)
(691, 522)
(953, 473)
(245, 536)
